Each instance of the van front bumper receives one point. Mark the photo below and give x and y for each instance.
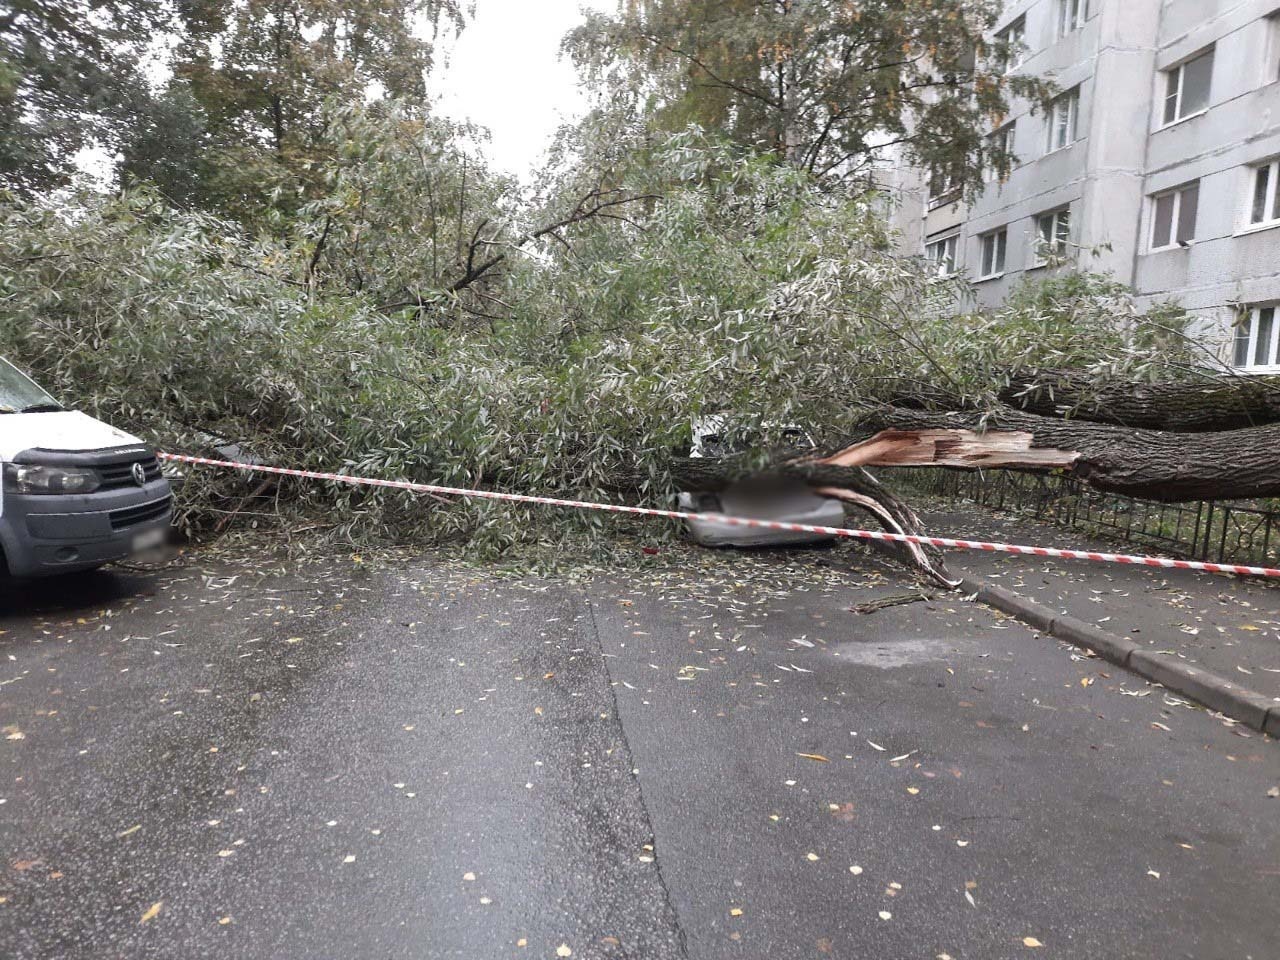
(59, 533)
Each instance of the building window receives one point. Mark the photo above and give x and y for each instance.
(1000, 150)
(1187, 88)
(1071, 15)
(1053, 234)
(1173, 219)
(944, 185)
(994, 245)
(1264, 201)
(1257, 345)
(1064, 114)
(1013, 39)
(942, 254)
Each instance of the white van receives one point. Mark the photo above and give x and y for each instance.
(75, 493)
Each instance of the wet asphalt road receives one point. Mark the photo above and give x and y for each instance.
(425, 761)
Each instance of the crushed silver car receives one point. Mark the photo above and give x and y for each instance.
(711, 438)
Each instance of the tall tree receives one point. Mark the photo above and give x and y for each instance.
(830, 85)
(69, 72)
(261, 71)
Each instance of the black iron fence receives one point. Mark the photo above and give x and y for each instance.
(1214, 530)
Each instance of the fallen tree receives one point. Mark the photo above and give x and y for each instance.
(1170, 465)
(1206, 403)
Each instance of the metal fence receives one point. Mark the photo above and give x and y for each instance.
(1215, 530)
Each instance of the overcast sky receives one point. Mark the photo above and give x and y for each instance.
(505, 73)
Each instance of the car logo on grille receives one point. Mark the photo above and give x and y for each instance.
(139, 474)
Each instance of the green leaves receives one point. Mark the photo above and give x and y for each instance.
(749, 289)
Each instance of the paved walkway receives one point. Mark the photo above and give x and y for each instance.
(1229, 625)
(708, 759)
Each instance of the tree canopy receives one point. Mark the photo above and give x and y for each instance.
(69, 77)
(831, 85)
(250, 84)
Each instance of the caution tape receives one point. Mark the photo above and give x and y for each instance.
(751, 522)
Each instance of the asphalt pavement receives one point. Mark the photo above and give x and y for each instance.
(709, 757)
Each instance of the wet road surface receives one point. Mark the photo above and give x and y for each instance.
(716, 761)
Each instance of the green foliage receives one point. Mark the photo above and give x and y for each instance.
(68, 77)
(748, 288)
(252, 84)
(830, 85)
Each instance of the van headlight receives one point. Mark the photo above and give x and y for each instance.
(31, 478)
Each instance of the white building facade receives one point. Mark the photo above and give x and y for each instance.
(1158, 163)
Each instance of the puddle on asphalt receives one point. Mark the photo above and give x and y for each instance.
(898, 653)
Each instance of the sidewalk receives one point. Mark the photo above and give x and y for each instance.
(1223, 624)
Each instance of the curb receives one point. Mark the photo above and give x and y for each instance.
(1208, 689)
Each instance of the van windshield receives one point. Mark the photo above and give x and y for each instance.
(19, 393)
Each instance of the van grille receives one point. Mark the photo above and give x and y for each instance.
(135, 515)
(119, 473)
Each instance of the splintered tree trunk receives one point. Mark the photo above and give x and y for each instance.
(1154, 464)
(1213, 455)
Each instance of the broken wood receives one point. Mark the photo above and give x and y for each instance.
(1153, 464)
(1226, 446)
(896, 600)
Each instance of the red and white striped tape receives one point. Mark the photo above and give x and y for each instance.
(737, 521)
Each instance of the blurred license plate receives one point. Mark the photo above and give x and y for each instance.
(148, 539)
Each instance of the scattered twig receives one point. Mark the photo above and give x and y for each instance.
(898, 599)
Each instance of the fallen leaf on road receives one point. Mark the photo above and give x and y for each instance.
(913, 790)
(1274, 792)
(522, 942)
(885, 915)
(877, 746)
(125, 833)
(223, 921)
(468, 876)
(814, 756)
(11, 732)
(563, 950)
(735, 912)
(1086, 681)
(1160, 726)
(349, 858)
(1153, 873)
(1031, 942)
(151, 912)
(811, 856)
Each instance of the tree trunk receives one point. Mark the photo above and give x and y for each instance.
(1212, 403)
(1154, 464)
(1214, 438)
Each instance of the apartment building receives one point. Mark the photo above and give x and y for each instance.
(1159, 163)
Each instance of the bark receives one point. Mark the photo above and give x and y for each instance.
(1207, 404)
(1154, 464)
(1214, 438)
